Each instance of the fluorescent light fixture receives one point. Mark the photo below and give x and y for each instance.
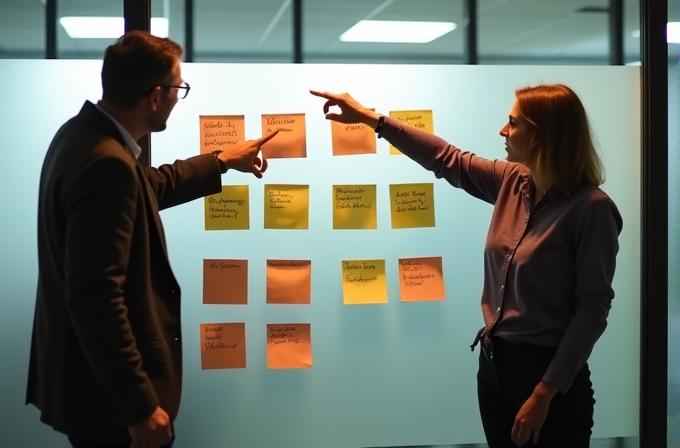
(672, 33)
(106, 27)
(396, 32)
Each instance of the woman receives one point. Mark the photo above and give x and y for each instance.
(549, 261)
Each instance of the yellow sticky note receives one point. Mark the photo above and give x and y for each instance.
(286, 206)
(221, 132)
(228, 210)
(412, 205)
(354, 207)
(363, 281)
(290, 142)
(421, 279)
(421, 119)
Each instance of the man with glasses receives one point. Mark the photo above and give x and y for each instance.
(106, 353)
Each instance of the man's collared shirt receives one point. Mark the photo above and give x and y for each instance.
(129, 141)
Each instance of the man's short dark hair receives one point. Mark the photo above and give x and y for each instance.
(134, 65)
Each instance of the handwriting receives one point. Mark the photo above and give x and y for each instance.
(218, 345)
(224, 265)
(277, 199)
(283, 334)
(286, 263)
(412, 118)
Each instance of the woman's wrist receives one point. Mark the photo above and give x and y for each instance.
(372, 119)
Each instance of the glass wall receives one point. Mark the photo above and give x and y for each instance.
(243, 31)
(22, 29)
(509, 32)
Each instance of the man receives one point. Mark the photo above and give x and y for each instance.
(105, 364)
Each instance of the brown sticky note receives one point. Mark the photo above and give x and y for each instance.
(291, 141)
(223, 346)
(221, 132)
(421, 279)
(225, 282)
(289, 346)
(352, 139)
(289, 281)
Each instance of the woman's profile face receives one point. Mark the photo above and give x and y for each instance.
(517, 133)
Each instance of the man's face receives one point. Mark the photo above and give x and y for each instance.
(164, 101)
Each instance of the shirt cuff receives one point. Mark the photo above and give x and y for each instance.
(559, 376)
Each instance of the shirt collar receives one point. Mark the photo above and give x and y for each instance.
(129, 141)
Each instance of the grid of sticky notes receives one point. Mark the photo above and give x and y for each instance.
(287, 207)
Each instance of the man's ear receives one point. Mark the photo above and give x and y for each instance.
(154, 98)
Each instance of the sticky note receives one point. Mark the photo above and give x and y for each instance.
(352, 139)
(421, 279)
(225, 282)
(221, 132)
(286, 206)
(223, 346)
(289, 346)
(420, 119)
(290, 142)
(289, 281)
(412, 205)
(229, 209)
(354, 207)
(363, 282)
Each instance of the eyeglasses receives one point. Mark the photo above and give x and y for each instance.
(182, 90)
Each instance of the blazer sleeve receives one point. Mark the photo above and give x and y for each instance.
(479, 177)
(184, 180)
(99, 206)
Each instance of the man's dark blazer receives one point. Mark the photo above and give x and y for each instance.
(106, 345)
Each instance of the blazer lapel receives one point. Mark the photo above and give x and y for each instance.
(152, 209)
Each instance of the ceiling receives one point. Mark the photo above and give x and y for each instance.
(509, 31)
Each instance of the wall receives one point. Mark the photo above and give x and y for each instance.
(393, 374)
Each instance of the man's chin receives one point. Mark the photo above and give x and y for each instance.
(159, 128)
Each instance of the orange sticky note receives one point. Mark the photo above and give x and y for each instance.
(291, 141)
(289, 281)
(289, 346)
(223, 346)
(420, 119)
(225, 282)
(221, 132)
(412, 205)
(421, 279)
(351, 139)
